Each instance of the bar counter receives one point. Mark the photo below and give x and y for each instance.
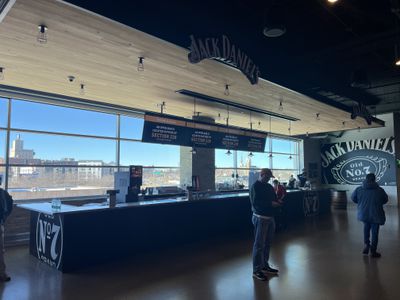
(77, 236)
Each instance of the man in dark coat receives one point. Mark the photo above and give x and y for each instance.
(263, 201)
(370, 198)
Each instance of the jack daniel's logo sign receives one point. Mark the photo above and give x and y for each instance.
(349, 162)
(223, 50)
(310, 203)
(49, 239)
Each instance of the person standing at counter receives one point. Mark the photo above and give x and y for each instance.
(302, 178)
(263, 201)
(279, 191)
(280, 214)
(292, 182)
(370, 198)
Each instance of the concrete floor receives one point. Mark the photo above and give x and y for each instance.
(318, 259)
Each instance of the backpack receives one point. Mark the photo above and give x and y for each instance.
(6, 204)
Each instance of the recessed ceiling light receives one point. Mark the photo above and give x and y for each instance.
(274, 31)
(332, 1)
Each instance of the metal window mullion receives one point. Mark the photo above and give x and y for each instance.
(71, 134)
(63, 134)
(61, 166)
(7, 144)
(118, 154)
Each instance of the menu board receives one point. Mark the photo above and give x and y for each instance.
(162, 129)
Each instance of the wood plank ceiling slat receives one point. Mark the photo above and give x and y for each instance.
(103, 55)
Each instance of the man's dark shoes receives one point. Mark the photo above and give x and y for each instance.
(270, 270)
(375, 254)
(259, 275)
(366, 250)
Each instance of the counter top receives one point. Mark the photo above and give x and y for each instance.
(45, 207)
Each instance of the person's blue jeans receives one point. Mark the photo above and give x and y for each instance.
(372, 228)
(263, 233)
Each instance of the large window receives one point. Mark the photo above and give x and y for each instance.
(238, 169)
(57, 151)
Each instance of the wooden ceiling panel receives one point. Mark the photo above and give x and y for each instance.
(103, 55)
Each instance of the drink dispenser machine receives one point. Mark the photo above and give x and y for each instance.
(135, 182)
(128, 183)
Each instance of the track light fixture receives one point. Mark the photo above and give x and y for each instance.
(343, 124)
(280, 105)
(226, 92)
(140, 66)
(250, 122)
(251, 154)
(228, 152)
(42, 34)
(2, 73)
(317, 116)
(82, 89)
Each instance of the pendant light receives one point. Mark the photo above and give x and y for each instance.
(270, 154)
(227, 125)
(42, 34)
(140, 66)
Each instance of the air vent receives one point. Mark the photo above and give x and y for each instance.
(5, 6)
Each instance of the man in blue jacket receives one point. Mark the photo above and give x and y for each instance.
(263, 201)
(370, 198)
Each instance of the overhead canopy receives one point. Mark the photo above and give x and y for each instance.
(103, 56)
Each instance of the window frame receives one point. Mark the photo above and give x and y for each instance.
(117, 138)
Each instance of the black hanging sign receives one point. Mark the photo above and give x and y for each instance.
(360, 110)
(162, 129)
(223, 50)
(349, 162)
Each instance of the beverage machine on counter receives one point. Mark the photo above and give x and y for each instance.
(129, 183)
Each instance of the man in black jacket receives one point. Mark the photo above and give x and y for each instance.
(263, 201)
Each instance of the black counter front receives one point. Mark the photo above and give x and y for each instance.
(75, 237)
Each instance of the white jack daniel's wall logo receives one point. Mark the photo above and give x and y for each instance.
(354, 170)
(49, 239)
(349, 162)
